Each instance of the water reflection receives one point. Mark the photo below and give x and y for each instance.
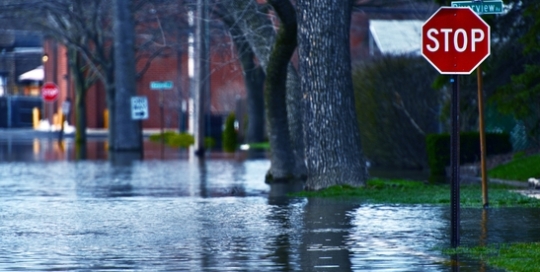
(185, 214)
(325, 243)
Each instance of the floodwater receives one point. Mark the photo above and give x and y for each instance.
(170, 212)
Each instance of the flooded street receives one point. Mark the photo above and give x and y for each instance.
(171, 212)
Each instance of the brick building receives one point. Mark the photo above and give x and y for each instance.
(226, 80)
(20, 52)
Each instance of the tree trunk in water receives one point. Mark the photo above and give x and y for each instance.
(80, 112)
(80, 96)
(294, 117)
(332, 137)
(275, 92)
(110, 97)
(80, 86)
(80, 133)
(254, 77)
(202, 73)
(126, 132)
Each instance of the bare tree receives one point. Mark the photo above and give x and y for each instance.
(254, 77)
(85, 28)
(283, 114)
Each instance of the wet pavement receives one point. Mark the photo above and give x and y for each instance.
(172, 212)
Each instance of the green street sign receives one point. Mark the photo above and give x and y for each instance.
(481, 7)
(161, 85)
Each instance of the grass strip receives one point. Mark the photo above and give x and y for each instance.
(517, 257)
(263, 145)
(382, 191)
(520, 169)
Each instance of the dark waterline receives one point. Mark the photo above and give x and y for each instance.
(180, 214)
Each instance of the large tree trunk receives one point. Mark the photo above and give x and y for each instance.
(202, 73)
(126, 132)
(282, 162)
(295, 111)
(332, 137)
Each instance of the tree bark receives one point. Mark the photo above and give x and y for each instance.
(258, 30)
(80, 96)
(126, 132)
(295, 111)
(332, 137)
(275, 92)
(254, 77)
(202, 73)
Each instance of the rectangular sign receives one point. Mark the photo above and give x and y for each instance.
(481, 7)
(139, 108)
(161, 85)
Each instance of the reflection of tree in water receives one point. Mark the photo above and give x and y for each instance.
(203, 177)
(324, 241)
(107, 179)
(285, 213)
(221, 179)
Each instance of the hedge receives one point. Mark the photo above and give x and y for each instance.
(438, 149)
(230, 137)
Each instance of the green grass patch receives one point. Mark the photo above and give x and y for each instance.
(520, 169)
(180, 140)
(516, 257)
(381, 191)
(263, 145)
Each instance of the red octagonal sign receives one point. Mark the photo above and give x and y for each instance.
(455, 40)
(49, 92)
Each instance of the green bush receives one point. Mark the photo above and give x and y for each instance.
(181, 140)
(230, 140)
(209, 142)
(438, 149)
(173, 139)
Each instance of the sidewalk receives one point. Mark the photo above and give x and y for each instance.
(26, 133)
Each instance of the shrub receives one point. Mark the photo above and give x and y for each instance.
(438, 149)
(173, 139)
(230, 140)
(395, 106)
(181, 140)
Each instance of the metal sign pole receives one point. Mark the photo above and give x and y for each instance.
(161, 123)
(454, 163)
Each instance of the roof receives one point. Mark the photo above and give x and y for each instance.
(396, 36)
(20, 39)
(33, 75)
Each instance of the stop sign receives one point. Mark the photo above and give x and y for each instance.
(455, 40)
(49, 92)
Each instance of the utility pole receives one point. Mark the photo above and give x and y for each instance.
(202, 73)
(127, 132)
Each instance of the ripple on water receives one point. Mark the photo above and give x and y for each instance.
(173, 215)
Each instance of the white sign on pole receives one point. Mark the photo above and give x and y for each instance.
(139, 108)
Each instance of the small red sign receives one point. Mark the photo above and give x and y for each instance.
(49, 92)
(455, 40)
